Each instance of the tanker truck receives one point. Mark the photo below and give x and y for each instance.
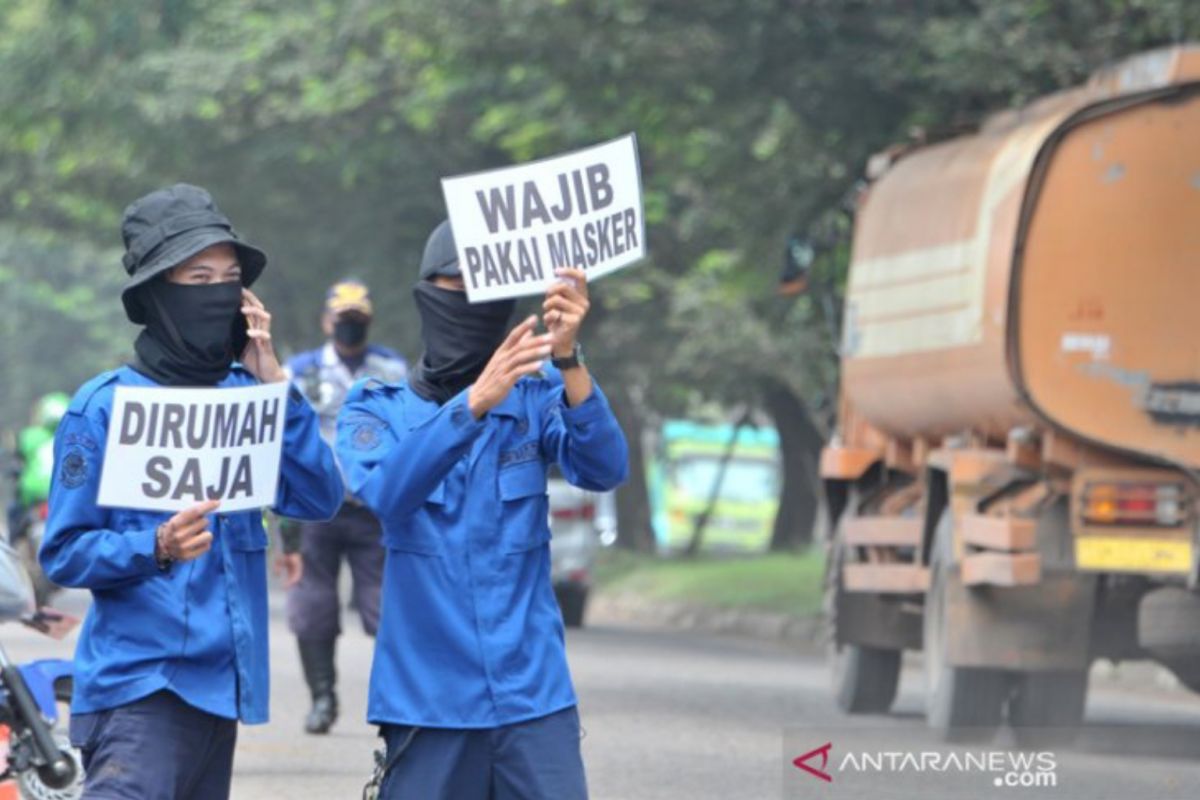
(1012, 484)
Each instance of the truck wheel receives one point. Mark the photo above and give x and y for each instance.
(961, 703)
(1185, 670)
(864, 678)
(1047, 707)
(1169, 622)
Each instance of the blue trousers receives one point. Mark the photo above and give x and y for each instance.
(156, 748)
(534, 760)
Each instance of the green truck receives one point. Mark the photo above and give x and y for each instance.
(684, 466)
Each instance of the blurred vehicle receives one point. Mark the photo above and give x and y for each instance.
(682, 476)
(40, 757)
(573, 546)
(1013, 478)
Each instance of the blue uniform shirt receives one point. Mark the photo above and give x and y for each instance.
(470, 635)
(198, 629)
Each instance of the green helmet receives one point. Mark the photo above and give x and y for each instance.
(50, 410)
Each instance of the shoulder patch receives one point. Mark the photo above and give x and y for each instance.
(74, 470)
(86, 392)
(366, 433)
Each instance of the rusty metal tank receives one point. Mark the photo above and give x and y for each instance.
(1044, 270)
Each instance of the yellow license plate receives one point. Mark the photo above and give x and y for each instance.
(1129, 554)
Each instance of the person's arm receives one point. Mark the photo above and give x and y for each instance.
(394, 470)
(579, 431)
(310, 485)
(584, 440)
(80, 548)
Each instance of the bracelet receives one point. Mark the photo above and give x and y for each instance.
(164, 561)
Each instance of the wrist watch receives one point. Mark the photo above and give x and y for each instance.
(570, 362)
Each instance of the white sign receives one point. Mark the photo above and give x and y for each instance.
(169, 449)
(514, 226)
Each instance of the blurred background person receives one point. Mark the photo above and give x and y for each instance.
(325, 376)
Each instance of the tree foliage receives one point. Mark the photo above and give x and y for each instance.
(323, 129)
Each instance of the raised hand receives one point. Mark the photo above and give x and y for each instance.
(564, 309)
(259, 356)
(520, 354)
(186, 535)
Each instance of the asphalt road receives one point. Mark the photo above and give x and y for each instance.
(675, 715)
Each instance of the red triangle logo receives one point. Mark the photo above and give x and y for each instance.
(823, 752)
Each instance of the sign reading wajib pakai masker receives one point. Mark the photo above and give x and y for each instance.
(169, 449)
(514, 226)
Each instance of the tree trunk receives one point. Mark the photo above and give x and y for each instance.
(634, 531)
(800, 444)
(714, 492)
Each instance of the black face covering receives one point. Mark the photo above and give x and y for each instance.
(459, 339)
(193, 332)
(350, 332)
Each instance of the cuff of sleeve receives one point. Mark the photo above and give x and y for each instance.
(289, 536)
(460, 412)
(590, 410)
(144, 543)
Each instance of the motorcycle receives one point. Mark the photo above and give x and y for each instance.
(40, 756)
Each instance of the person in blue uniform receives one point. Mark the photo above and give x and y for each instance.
(314, 611)
(174, 648)
(470, 683)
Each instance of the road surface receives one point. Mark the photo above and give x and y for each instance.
(673, 715)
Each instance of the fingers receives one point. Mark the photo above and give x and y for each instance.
(565, 305)
(196, 546)
(519, 332)
(533, 348)
(295, 571)
(576, 282)
(198, 511)
(257, 317)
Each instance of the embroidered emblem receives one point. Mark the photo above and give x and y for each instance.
(81, 440)
(526, 452)
(366, 436)
(74, 469)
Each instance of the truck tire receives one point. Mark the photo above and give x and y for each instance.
(864, 679)
(1047, 707)
(1169, 623)
(961, 703)
(1186, 671)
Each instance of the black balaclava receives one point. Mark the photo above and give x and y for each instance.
(459, 337)
(193, 333)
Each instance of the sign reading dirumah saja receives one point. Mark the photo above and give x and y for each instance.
(169, 449)
(514, 226)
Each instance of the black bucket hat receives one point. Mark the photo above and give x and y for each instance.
(441, 256)
(167, 227)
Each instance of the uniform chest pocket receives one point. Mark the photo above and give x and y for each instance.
(417, 535)
(523, 494)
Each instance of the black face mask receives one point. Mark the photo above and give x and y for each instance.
(350, 332)
(193, 332)
(459, 339)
